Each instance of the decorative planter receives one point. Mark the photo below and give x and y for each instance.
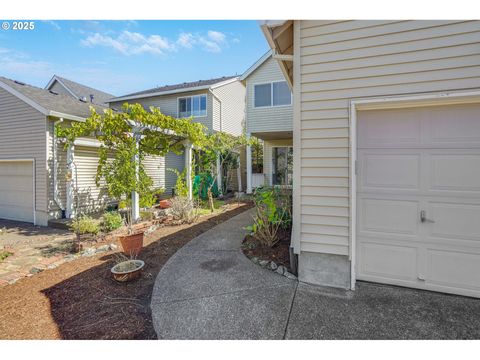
(127, 270)
(132, 244)
(165, 204)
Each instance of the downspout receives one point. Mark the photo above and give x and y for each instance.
(56, 199)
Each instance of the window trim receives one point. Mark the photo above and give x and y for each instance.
(287, 186)
(192, 96)
(271, 95)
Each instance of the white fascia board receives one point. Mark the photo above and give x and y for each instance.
(87, 142)
(223, 83)
(271, 23)
(66, 116)
(255, 66)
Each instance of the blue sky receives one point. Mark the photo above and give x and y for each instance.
(126, 56)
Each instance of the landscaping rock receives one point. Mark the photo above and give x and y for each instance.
(263, 263)
(289, 275)
(35, 270)
(113, 247)
(273, 266)
(255, 260)
(89, 252)
(281, 270)
(103, 248)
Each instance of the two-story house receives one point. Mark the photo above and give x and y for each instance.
(269, 117)
(216, 103)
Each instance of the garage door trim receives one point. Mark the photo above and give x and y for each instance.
(33, 180)
(410, 101)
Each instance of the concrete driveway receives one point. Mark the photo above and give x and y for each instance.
(210, 290)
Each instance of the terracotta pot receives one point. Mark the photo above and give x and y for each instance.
(132, 244)
(165, 204)
(127, 270)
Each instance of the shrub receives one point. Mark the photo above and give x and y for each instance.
(111, 221)
(181, 188)
(146, 215)
(183, 210)
(4, 254)
(150, 198)
(273, 212)
(85, 225)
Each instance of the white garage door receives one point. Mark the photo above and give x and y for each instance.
(16, 190)
(418, 214)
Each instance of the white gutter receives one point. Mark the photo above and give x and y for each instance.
(56, 198)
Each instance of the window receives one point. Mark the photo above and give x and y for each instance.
(272, 94)
(192, 106)
(282, 165)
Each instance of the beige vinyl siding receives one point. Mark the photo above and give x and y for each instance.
(155, 168)
(359, 59)
(168, 105)
(172, 161)
(232, 107)
(268, 145)
(267, 119)
(22, 136)
(60, 89)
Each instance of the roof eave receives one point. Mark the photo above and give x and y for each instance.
(256, 65)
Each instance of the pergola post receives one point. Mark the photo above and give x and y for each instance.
(70, 182)
(188, 166)
(249, 167)
(219, 175)
(135, 196)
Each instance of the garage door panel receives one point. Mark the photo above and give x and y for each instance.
(16, 190)
(388, 216)
(391, 128)
(454, 172)
(438, 129)
(453, 269)
(389, 171)
(454, 221)
(376, 260)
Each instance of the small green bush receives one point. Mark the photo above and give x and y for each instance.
(146, 215)
(85, 225)
(111, 221)
(4, 254)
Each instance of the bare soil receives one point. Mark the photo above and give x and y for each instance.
(80, 300)
(279, 253)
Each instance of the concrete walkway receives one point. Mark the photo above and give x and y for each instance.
(210, 290)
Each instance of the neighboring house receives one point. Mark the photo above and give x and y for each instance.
(30, 188)
(33, 162)
(219, 104)
(78, 91)
(386, 136)
(269, 116)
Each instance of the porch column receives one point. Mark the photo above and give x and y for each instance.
(70, 182)
(188, 166)
(135, 196)
(239, 174)
(249, 167)
(219, 175)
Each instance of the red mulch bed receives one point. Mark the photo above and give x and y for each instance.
(279, 253)
(79, 299)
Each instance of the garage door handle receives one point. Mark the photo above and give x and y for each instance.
(423, 217)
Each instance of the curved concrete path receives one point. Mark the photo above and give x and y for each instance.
(210, 290)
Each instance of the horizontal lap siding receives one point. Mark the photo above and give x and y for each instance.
(358, 59)
(231, 109)
(22, 136)
(267, 119)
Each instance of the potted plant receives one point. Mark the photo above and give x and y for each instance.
(132, 241)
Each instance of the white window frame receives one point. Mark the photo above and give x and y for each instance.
(192, 96)
(271, 95)
(271, 164)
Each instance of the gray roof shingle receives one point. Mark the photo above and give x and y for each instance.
(185, 85)
(51, 101)
(84, 92)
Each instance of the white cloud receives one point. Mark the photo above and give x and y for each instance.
(216, 36)
(133, 43)
(53, 24)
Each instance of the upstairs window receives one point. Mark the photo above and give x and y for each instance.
(195, 106)
(272, 94)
